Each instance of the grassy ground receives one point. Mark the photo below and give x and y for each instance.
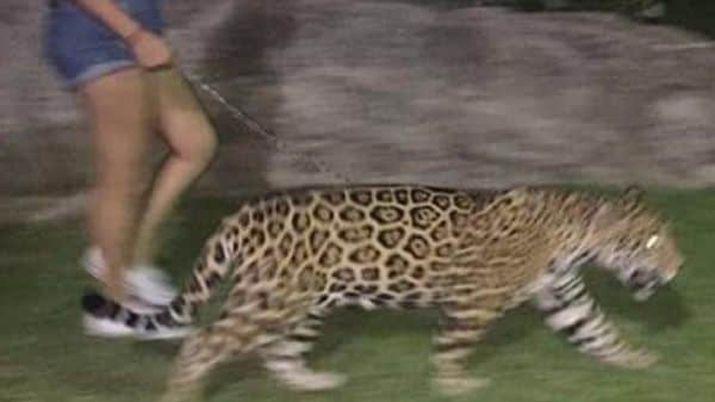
(45, 357)
(694, 15)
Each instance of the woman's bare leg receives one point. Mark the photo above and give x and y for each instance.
(120, 116)
(192, 142)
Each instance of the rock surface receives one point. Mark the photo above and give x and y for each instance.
(396, 91)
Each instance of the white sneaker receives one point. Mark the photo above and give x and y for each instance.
(144, 283)
(150, 284)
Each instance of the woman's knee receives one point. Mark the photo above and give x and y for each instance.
(184, 123)
(198, 145)
(209, 145)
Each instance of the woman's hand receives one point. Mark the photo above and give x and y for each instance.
(150, 50)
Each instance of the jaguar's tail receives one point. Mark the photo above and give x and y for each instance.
(214, 264)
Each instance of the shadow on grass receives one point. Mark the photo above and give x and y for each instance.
(349, 339)
(664, 310)
(350, 332)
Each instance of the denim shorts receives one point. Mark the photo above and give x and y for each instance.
(81, 48)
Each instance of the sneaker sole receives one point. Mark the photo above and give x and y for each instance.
(105, 328)
(165, 334)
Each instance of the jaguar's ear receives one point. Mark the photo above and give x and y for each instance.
(632, 197)
(518, 194)
(634, 192)
(606, 217)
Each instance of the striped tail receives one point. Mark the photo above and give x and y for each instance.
(214, 264)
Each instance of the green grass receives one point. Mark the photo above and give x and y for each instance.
(45, 357)
(696, 15)
(693, 15)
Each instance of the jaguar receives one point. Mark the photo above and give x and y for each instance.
(293, 258)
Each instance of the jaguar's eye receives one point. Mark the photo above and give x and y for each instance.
(652, 241)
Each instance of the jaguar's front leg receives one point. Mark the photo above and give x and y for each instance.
(569, 309)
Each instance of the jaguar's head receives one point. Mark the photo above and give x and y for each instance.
(637, 244)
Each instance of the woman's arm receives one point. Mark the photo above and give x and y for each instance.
(112, 16)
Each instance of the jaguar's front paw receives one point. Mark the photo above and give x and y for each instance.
(310, 381)
(455, 386)
(633, 359)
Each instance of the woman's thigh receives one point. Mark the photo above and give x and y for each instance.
(182, 119)
(120, 113)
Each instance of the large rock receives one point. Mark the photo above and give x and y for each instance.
(397, 91)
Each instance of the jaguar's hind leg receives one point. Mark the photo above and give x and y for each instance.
(462, 326)
(202, 352)
(262, 319)
(286, 361)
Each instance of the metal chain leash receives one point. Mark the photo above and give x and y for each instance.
(254, 126)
